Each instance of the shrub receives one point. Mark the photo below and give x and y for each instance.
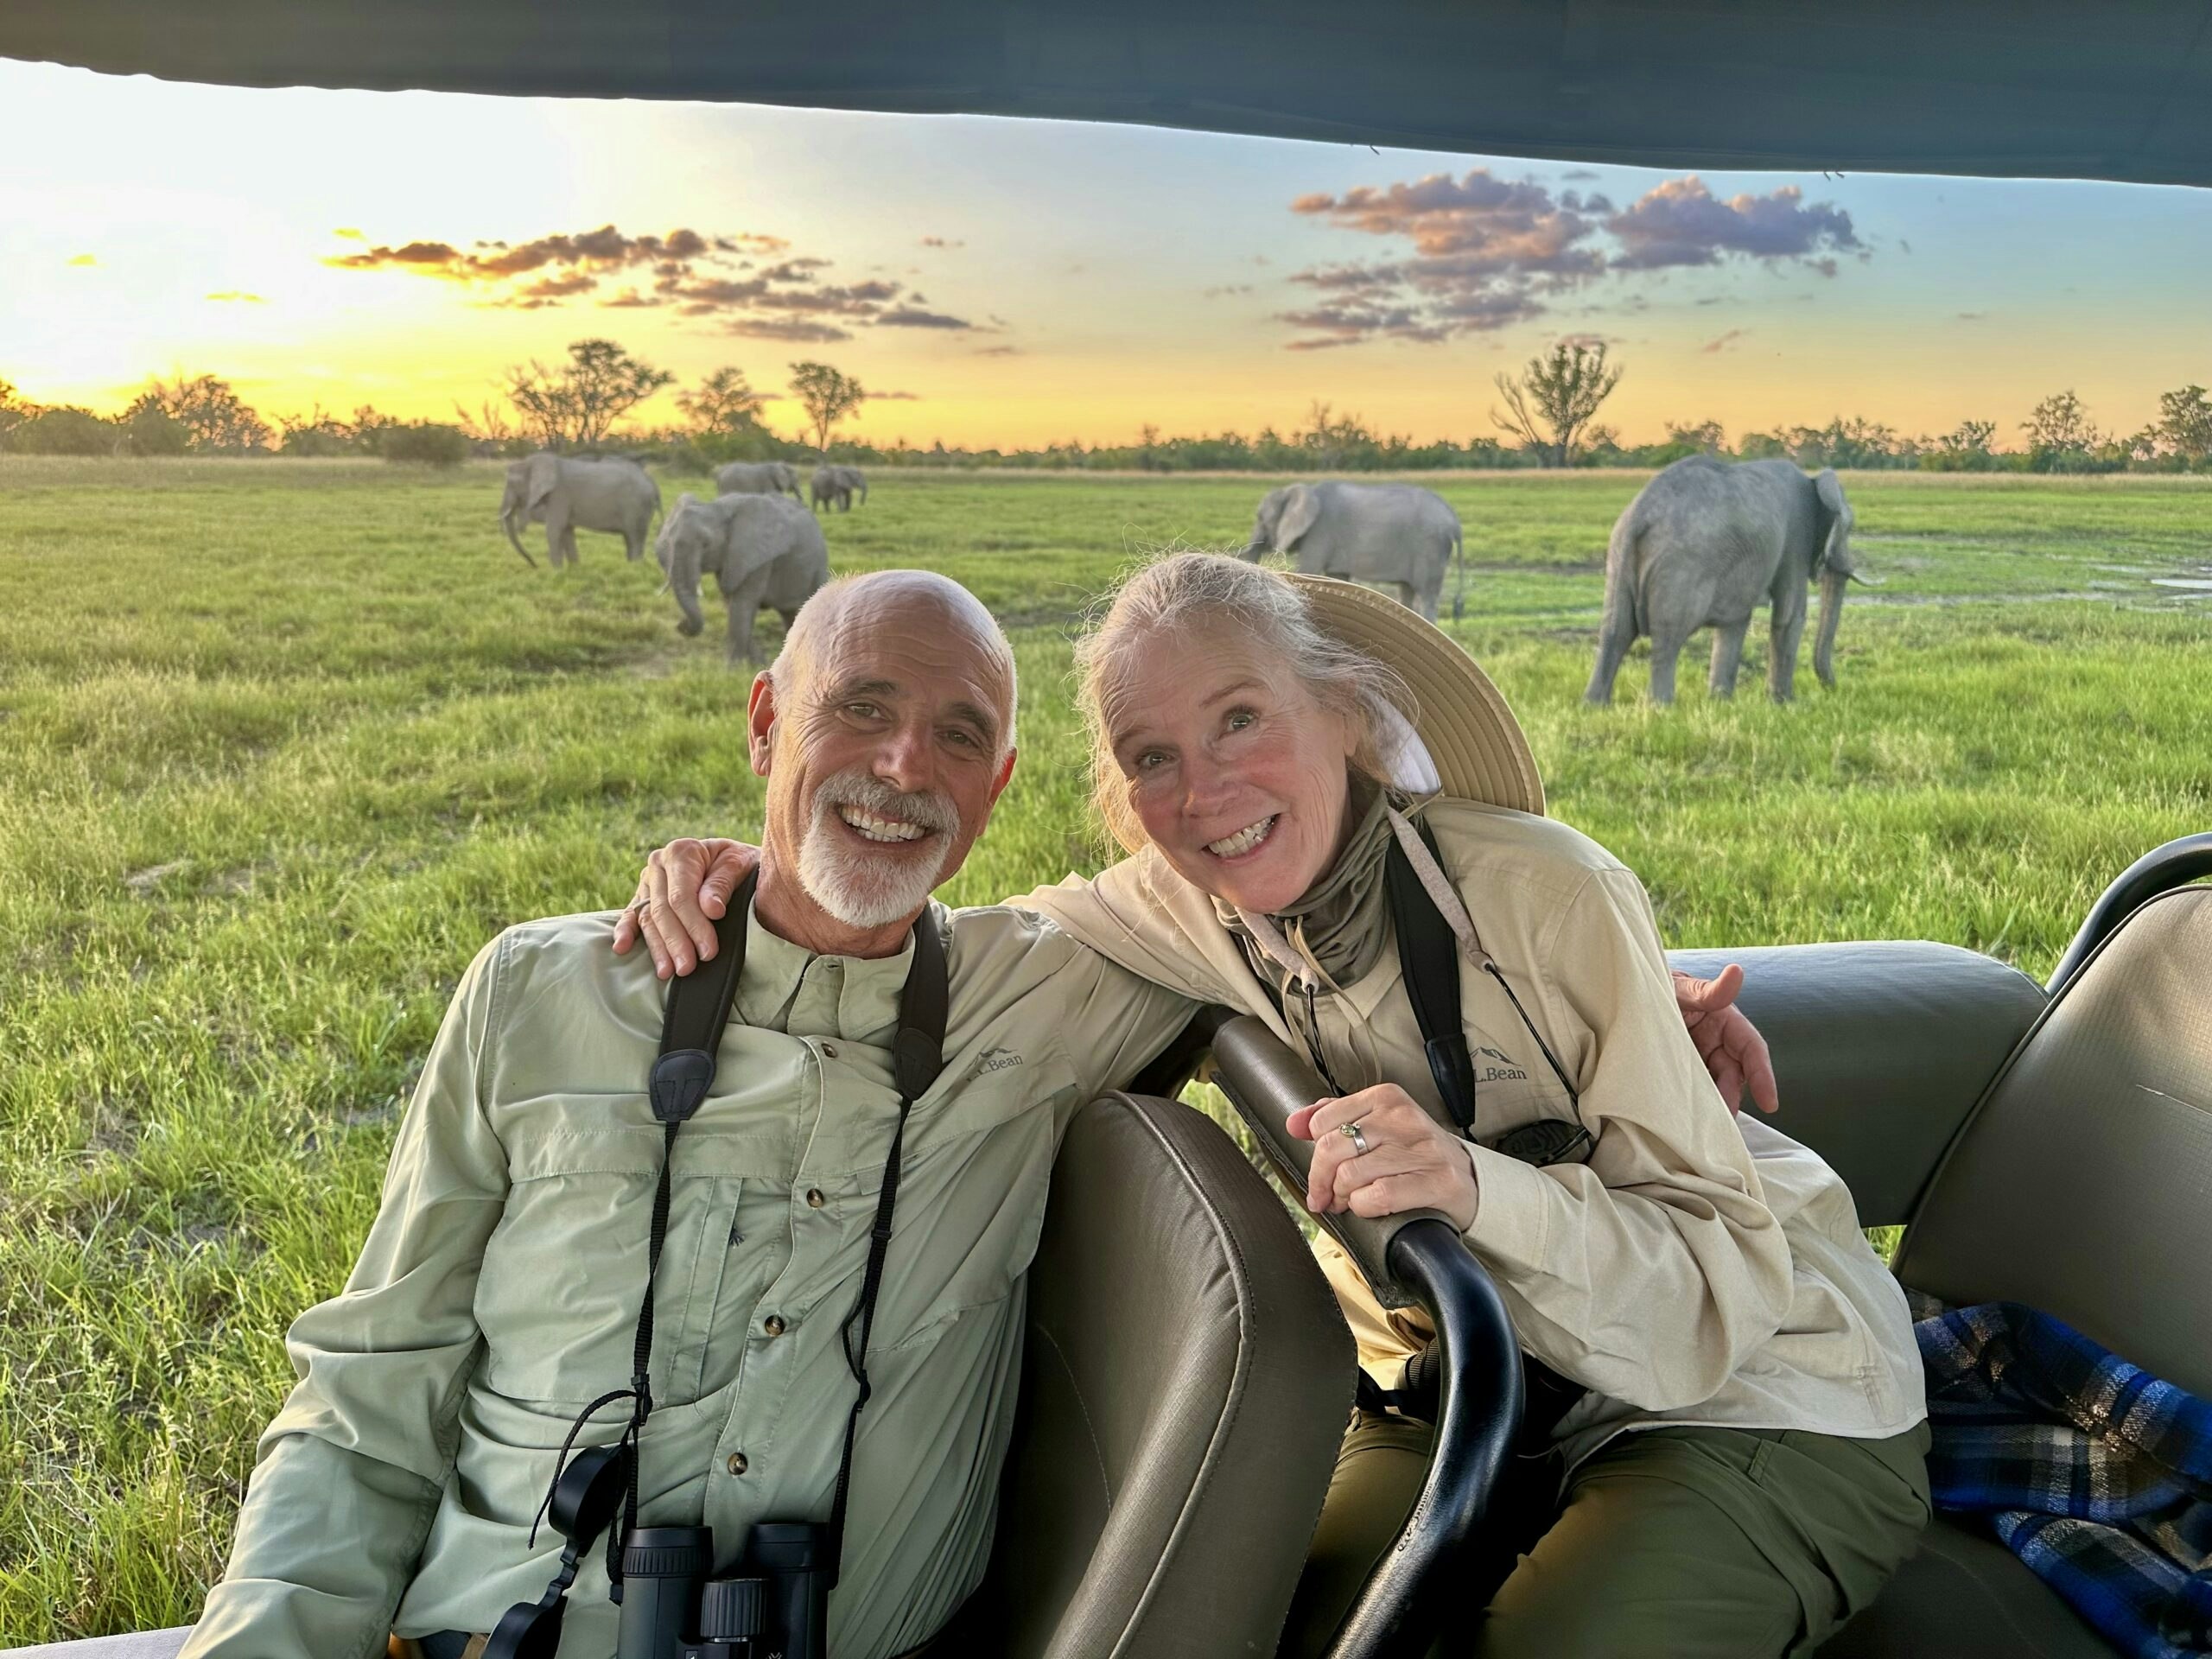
(65, 431)
(153, 432)
(427, 441)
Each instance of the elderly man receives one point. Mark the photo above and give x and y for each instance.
(497, 1294)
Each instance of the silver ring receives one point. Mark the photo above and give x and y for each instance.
(1358, 1139)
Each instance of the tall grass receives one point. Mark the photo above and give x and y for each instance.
(282, 744)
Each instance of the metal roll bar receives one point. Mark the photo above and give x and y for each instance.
(1415, 1259)
(2160, 870)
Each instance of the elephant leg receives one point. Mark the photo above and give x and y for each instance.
(1665, 647)
(560, 539)
(1727, 657)
(1781, 666)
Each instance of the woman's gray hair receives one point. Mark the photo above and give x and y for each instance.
(1190, 590)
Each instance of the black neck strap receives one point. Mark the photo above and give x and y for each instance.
(684, 1073)
(1428, 961)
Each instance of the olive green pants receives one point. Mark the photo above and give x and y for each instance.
(1667, 1541)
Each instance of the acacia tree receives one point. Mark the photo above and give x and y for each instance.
(2061, 436)
(1709, 437)
(724, 404)
(2183, 427)
(207, 407)
(827, 395)
(13, 412)
(574, 406)
(1558, 393)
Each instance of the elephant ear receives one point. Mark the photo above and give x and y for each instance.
(1829, 488)
(1299, 510)
(544, 473)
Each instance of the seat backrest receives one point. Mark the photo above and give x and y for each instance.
(1185, 1385)
(2082, 1183)
(1881, 1049)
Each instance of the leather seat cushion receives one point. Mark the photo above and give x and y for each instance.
(1966, 1596)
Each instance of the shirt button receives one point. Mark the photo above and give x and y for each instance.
(773, 1324)
(828, 1051)
(814, 1198)
(737, 1465)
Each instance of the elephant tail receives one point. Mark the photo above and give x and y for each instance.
(1459, 558)
(1624, 620)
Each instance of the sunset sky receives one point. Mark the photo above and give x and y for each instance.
(1019, 281)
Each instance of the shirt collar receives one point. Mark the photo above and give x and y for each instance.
(787, 987)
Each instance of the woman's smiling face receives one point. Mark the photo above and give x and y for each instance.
(1237, 772)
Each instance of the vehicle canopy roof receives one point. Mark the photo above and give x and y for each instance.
(2118, 89)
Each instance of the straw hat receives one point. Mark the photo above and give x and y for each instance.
(1478, 749)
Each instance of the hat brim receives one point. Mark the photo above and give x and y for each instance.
(1479, 750)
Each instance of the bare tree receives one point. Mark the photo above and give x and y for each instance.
(1558, 393)
(574, 407)
(489, 426)
(827, 395)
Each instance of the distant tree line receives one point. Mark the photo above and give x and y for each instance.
(581, 403)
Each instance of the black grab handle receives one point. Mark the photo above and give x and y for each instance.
(1415, 1259)
(2162, 868)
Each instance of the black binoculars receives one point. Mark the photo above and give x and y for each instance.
(773, 1606)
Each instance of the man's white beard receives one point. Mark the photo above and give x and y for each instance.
(859, 890)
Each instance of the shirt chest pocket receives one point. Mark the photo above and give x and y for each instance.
(564, 1270)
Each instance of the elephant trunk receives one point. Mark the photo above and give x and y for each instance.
(1253, 553)
(1833, 582)
(507, 523)
(683, 578)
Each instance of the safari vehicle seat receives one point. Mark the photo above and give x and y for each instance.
(2081, 1182)
(1184, 1383)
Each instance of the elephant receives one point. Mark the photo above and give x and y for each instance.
(566, 493)
(762, 548)
(758, 478)
(1700, 545)
(837, 484)
(1392, 533)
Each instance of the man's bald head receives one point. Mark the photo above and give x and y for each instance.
(896, 599)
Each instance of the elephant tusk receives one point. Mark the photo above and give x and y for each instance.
(1864, 582)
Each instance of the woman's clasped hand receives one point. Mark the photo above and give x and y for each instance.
(1407, 1161)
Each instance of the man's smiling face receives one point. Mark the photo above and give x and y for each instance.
(883, 737)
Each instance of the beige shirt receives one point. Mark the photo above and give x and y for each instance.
(1697, 1269)
(498, 1292)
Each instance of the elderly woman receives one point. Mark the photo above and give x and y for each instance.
(1737, 1442)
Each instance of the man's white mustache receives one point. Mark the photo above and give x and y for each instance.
(924, 807)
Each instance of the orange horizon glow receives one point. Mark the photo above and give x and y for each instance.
(1011, 285)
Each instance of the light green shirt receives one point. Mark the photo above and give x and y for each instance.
(498, 1292)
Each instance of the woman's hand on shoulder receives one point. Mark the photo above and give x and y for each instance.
(1412, 1161)
(683, 888)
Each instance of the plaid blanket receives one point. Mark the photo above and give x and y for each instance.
(2093, 1471)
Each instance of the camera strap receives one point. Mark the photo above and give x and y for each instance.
(1428, 961)
(698, 1008)
(917, 1056)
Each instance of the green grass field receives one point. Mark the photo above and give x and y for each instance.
(283, 743)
